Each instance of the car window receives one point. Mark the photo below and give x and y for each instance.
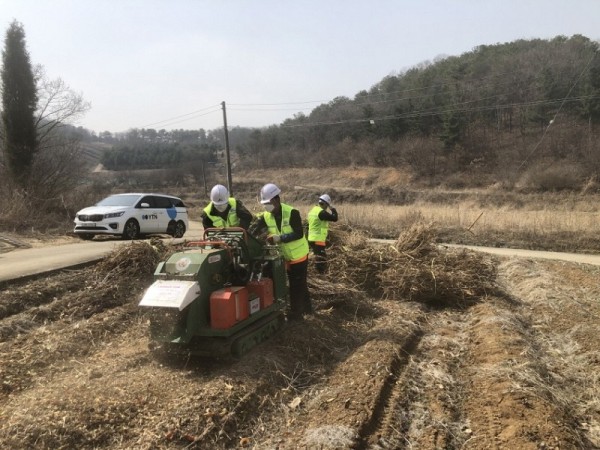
(178, 203)
(119, 200)
(163, 202)
(146, 199)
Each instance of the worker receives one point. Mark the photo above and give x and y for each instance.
(225, 211)
(284, 228)
(318, 228)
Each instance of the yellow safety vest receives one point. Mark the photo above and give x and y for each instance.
(232, 218)
(294, 251)
(317, 228)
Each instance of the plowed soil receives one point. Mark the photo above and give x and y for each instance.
(518, 369)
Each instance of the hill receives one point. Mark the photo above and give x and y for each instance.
(490, 115)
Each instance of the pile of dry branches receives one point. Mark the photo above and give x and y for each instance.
(412, 268)
(132, 260)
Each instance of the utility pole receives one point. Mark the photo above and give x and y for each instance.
(227, 159)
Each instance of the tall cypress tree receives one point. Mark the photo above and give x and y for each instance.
(19, 100)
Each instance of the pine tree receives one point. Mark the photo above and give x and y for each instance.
(19, 101)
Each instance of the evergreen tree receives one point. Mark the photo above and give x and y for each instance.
(19, 101)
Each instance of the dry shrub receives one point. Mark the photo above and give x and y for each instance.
(412, 268)
(590, 186)
(565, 177)
(132, 260)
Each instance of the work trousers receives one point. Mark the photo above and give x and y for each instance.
(299, 297)
(320, 256)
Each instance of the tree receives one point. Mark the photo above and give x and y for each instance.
(19, 101)
(57, 105)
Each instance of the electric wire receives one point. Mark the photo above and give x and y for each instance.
(437, 112)
(167, 122)
(190, 118)
(557, 112)
(183, 115)
(366, 100)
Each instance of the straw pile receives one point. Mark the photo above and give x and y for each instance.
(412, 268)
(117, 279)
(131, 260)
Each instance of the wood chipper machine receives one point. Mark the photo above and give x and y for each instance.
(218, 296)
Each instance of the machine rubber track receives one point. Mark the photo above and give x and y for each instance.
(256, 333)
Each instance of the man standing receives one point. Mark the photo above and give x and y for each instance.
(224, 211)
(284, 225)
(318, 227)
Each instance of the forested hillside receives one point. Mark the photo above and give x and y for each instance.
(497, 113)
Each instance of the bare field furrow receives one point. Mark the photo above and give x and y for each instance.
(509, 400)
(15, 299)
(563, 313)
(360, 373)
(34, 356)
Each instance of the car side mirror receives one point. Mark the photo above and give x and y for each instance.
(145, 205)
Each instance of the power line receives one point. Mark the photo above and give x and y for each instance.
(184, 115)
(366, 100)
(275, 104)
(190, 118)
(556, 114)
(437, 112)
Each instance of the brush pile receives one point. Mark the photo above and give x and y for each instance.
(131, 260)
(412, 268)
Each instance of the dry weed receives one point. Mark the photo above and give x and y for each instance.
(413, 268)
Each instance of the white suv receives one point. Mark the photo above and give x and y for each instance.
(133, 215)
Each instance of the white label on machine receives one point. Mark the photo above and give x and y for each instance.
(182, 264)
(171, 294)
(254, 305)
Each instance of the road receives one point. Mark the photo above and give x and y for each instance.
(23, 263)
(33, 261)
(581, 258)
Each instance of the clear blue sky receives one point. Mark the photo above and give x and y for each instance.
(142, 62)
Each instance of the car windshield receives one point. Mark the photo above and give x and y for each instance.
(119, 200)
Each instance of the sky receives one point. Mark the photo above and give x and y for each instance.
(169, 64)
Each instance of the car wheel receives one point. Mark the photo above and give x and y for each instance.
(131, 230)
(179, 230)
(86, 236)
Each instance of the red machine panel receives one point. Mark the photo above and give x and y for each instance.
(228, 307)
(264, 289)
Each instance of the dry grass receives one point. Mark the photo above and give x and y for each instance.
(412, 268)
(477, 219)
(570, 227)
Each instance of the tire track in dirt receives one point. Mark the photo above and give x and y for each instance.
(343, 409)
(389, 393)
(423, 410)
(476, 378)
(507, 399)
(561, 311)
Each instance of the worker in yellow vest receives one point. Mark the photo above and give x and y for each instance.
(318, 228)
(225, 211)
(284, 225)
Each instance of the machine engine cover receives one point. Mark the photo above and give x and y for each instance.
(171, 294)
(228, 306)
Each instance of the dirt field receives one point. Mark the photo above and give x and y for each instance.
(519, 368)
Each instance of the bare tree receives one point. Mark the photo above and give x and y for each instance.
(57, 106)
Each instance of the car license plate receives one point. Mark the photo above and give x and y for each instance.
(88, 224)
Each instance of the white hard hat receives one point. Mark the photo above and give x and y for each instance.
(325, 198)
(219, 195)
(268, 191)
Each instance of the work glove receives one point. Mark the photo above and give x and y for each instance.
(275, 238)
